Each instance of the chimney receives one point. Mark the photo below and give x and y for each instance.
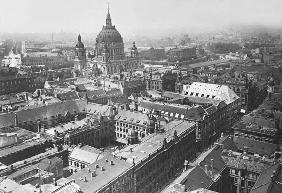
(96, 166)
(206, 169)
(112, 163)
(76, 118)
(131, 149)
(38, 126)
(16, 120)
(102, 168)
(85, 179)
(93, 174)
(54, 181)
(212, 165)
(186, 165)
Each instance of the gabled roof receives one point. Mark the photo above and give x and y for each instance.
(254, 146)
(264, 183)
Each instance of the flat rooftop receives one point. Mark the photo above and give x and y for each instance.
(153, 142)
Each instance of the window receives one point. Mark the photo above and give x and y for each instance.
(197, 94)
(191, 93)
(202, 95)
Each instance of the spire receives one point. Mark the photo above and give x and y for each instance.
(79, 38)
(108, 20)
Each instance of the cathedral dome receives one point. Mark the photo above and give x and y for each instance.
(109, 35)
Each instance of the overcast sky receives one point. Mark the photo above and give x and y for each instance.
(136, 17)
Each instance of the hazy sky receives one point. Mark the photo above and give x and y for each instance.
(135, 17)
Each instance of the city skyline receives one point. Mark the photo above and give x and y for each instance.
(137, 17)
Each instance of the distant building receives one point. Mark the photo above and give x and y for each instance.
(47, 59)
(80, 57)
(109, 51)
(182, 54)
(152, 53)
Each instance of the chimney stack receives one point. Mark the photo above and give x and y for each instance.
(206, 169)
(93, 174)
(185, 165)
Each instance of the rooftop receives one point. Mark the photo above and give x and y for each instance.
(269, 181)
(86, 154)
(132, 117)
(153, 142)
(245, 161)
(214, 91)
(112, 168)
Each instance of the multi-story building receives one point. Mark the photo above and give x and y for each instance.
(159, 156)
(144, 167)
(208, 171)
(182, 54)
(244, 169)
(109, 174)
(12, 82)
(47, 59)
(132, 126)
(263, 123)
(152, 53)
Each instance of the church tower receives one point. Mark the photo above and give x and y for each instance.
(134, 51)
(80, 56)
